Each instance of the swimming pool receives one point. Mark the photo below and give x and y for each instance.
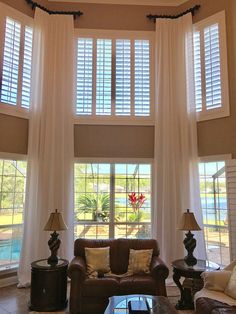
(10, 250)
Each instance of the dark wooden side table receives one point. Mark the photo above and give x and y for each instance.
(193, 281)
(48, 286)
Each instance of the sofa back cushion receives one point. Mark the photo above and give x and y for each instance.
(139, 261)
(216, 280)
(119, 250)
(97, 261)
(230, 290)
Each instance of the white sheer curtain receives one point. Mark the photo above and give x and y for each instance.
(176, 185)
(50, 150)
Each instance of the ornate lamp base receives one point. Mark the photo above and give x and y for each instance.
(190, 244)
(54, 244)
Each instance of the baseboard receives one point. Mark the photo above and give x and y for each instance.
(8, 281)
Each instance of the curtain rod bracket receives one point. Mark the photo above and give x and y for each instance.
(165, 16)
(50, 12)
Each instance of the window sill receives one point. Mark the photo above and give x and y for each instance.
(14, 111)
(213, 114)
(8, 275)
(8, 269)
(114, 120)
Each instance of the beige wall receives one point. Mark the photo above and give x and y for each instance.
(13, 134)
(114, 141)
(214, 137)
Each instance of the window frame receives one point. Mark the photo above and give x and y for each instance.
(224, 110)
(112, 119)
(112, 161)
(210, 159)
(11, 268)
(24, 20)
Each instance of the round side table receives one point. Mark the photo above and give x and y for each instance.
(193, 281)
(48, 286)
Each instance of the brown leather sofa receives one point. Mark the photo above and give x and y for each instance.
(90, 295)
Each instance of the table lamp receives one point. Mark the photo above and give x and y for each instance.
(55, 223)
(189, 223)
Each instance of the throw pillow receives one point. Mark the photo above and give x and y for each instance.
(139, 261)
(216, 280)
(231, 287)
(97, 261)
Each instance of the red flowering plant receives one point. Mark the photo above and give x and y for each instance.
(136, 201)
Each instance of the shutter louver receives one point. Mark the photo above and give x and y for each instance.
(212, 67)
(84, 76)
(11, 56)
(123, 77)
(103, 77)
(141, 78)
(26, 77)
(197, 72)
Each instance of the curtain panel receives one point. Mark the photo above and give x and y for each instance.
(176, 185)
(50, 149)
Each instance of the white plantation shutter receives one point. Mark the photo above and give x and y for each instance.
(84, 95)
(11, 57)
(210, 66)
(142, 78)
(16, 70)
(230, 169)
(27, 61)
(113, 77)
(123, 77)
(103, 77)
(197, 72)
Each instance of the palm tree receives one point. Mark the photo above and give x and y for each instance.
(98, 204)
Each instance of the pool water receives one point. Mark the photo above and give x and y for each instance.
(10, 250)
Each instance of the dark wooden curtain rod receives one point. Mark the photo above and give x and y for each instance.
(35, 4)
(192, 10)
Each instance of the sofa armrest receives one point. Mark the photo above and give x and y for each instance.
(77, 266)
(158, 268)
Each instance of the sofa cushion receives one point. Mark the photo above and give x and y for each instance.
(141, 284)
(120, 265)
(97, 260)
(231, 310)
(100, 287)
(230, 289)
(216, 280)
(215, 295)
(211, 306)
(139, 261)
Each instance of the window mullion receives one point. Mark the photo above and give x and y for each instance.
(132, 79)
(112, 202)
(113, 79)
(2, 32)
(94, 80)
(20, 72)
(2, 174)
(13, 209)
(202, 50)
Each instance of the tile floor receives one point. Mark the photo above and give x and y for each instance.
(15, 301)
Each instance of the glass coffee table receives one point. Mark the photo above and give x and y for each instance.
(118, 304)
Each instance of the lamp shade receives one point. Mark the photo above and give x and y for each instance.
(55, 222)
(188, 222)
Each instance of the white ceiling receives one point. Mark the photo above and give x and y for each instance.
(134, 2)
